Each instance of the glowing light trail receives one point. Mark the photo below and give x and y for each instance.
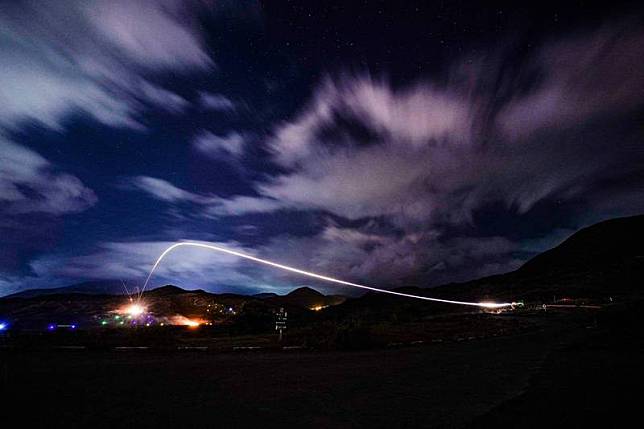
(315, 276)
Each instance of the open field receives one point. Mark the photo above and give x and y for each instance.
(453, 384)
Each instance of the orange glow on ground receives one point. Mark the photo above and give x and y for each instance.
(184, 321)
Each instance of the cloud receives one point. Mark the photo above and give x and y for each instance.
(163, 98)
(208, 205)
(32, 89)
(401, 172)
(94, 58)
(217, 102)
(581, 76)
(352, 254)
(426, 159)
(359, 151)
(411, 168)
(31, 184)
(445, 177)
(366, 255)
(152, 33)
(164, 191)
(349, 109)
(240, 205)
(232, 144)
(426, 153)
(187, 267)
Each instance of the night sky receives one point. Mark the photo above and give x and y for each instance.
(389, 143)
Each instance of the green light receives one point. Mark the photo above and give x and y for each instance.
(117, 317)
(104, 322)
(122, 322)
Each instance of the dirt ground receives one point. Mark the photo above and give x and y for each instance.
(550, 377)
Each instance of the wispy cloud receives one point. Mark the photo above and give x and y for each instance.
(164, 190)
(152, 33)
(216, 146)
(207, 205)
(31, 184)
(163, 98)
(93, 58)
(217, 102)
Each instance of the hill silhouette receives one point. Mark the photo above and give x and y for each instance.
(597, 262)
(306, 297)
(612, 242)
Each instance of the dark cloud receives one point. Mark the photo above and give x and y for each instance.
(392, 259)
(580, 77)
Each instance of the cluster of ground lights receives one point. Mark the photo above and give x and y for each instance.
(135, 317)
(136, 314)
(129, 315)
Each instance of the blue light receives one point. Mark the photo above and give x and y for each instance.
(73, 326)
(51, 327)
(4, 326)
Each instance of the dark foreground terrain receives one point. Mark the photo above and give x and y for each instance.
(571, 372)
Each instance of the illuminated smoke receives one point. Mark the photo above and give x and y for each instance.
(184, 321)
(314, 275)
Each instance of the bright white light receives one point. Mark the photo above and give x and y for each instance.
(135, 310)
(314, 275)
(492, 305)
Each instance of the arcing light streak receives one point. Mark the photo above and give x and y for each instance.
(315, 276)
